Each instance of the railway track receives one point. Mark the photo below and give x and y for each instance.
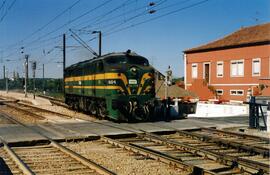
(252, 144)
(194, 155)
(55, 101)
(31, 114)
(51, 158)
(33, 110)
(37, 114)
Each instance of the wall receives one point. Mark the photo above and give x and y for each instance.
(227, 82)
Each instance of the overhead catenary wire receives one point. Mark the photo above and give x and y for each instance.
(65, 24)
(109, 32)
(71, 21)
(157, 17)
(2, 5)
(145, 12)
(145, 7)
(52, 20)
(8, 9)
(110, 12)
(83, 43)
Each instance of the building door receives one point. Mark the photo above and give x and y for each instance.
(206, 72)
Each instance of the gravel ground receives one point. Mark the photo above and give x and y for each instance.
(4, 121)
(45, 105)
(68, 112)
(18, 115)
(121, 161)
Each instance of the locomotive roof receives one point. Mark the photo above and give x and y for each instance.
(101, 58)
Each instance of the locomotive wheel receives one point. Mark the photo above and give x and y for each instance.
(101, 110)
(93, 109)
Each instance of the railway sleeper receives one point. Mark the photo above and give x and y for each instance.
(207, 153)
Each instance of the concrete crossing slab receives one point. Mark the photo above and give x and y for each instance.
(94, 128)
(16, 133)
(82, 130)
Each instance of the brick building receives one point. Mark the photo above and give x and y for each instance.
(231, 68)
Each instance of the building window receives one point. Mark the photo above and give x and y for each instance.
(219, 91)
(237, 68)
(237, 92)
(256, 67)
(220, 69)
(194, 71)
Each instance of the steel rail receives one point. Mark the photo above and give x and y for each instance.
(87, 162)
(149, 153)
(250, 148)
(247, 164)
(163, 157)
(238, 134)
(50, 98)
(39, 117)
(55, 101)
(228, 159)
(45, 110)
(22, 166)
(27, 111)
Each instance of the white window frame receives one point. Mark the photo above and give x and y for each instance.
(222, 91)
(220, 62)
(237, 90)
(194, 64)
(256, 59)
(233, 61)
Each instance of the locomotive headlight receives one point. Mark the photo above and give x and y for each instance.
(133, 70)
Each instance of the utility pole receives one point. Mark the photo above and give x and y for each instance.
(4, 72)
(168, 81)
(99, 41)
(5, 79)
(43, 80)
(64, 61)
(7, 82)
(26, 75)
(34, 66)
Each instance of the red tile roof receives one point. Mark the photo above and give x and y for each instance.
(259, 34)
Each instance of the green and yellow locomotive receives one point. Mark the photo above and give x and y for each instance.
(119, 86)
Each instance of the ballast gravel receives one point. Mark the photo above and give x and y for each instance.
(121, 161)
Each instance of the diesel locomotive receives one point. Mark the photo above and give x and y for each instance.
(119, 86)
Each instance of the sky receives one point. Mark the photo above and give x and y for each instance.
(161, 36)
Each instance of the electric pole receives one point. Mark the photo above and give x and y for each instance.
(34, 66)
(4, 72)
(26, 75)
(168, 81)
(64, 61)
(7, 82)
(99, 41)
(43, 80)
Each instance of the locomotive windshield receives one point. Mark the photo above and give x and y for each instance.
(130, 59)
